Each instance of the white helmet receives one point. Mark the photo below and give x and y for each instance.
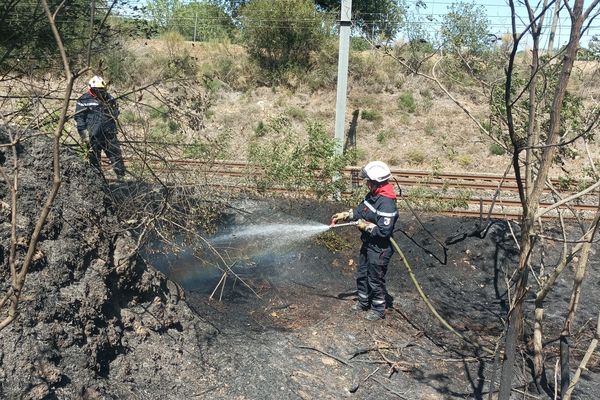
(377, 171)
(97, 82)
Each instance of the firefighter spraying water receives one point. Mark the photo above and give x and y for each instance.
(375, 217)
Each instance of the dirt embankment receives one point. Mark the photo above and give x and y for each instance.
(94, 321)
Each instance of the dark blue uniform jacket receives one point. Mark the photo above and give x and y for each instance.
(97, 112)
(381, 210)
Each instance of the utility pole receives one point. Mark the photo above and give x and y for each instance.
(342, 80)
(195, 25)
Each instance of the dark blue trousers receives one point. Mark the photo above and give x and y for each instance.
(370, 276)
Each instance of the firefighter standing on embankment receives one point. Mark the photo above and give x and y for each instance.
(96, 115)
(376, 216)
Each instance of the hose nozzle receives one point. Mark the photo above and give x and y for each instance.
(334, 225)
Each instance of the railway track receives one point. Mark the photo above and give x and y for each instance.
(480, 188)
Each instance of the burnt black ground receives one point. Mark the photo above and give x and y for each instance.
(97, 322)
(300, 339)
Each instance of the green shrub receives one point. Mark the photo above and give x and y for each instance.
(406, 102)
(426, 199)
(287, 161)
(203, 22)
(209, 150)
(122, 66)
(415, 157)
(161, 112)
(296, 113)
(358, 43)
(497, 150)
(371, 115)
(464, 160)
(383, 136)
(159, 133)
(261, 129)
(280, 46)
(429, 128)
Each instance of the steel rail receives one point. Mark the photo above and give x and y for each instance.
(217, 170)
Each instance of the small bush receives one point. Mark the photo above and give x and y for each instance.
(406, 102)
(261, 129)
(359, 44)
(497, 150)
(383, 136)
(161, 113)
(464, 160)
(429, 128)
(288, 161)
(296, 113)
(415, 157)
(371, 115)
(208, 150)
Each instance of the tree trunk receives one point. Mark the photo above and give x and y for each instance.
(565, 378)
(514, 330)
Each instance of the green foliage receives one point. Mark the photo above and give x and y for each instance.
(429, 127)
(594, 48)
(383, 136)
(424, 199)
(288, 162)
(464, 160)
(359, 44)
(386, 27)
(371, 115)
(178, 59)
(332, 241)
(497, 150)
(161, 12)
(26, 33)
(415, 156)
(406, 102)
(287, 42)
(465, 28)
(261, 129)
(574, 118)
(161, 112)
(209, 150)
(296, 113)
(202, 21)
(122, 66)
(418, 45)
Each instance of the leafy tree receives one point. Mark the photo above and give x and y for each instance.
(24, 30)
(376, 18)
(465, 28)
(594, 47)
(281, 35)
(162, 12)
(202, 21)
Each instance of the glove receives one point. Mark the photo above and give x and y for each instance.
(341, 216)
(365, 226)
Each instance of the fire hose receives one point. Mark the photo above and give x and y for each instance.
(413, 278)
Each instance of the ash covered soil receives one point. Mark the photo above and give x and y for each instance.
(300, 340)
(98, 322)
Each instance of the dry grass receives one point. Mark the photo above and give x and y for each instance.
(433, 134)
